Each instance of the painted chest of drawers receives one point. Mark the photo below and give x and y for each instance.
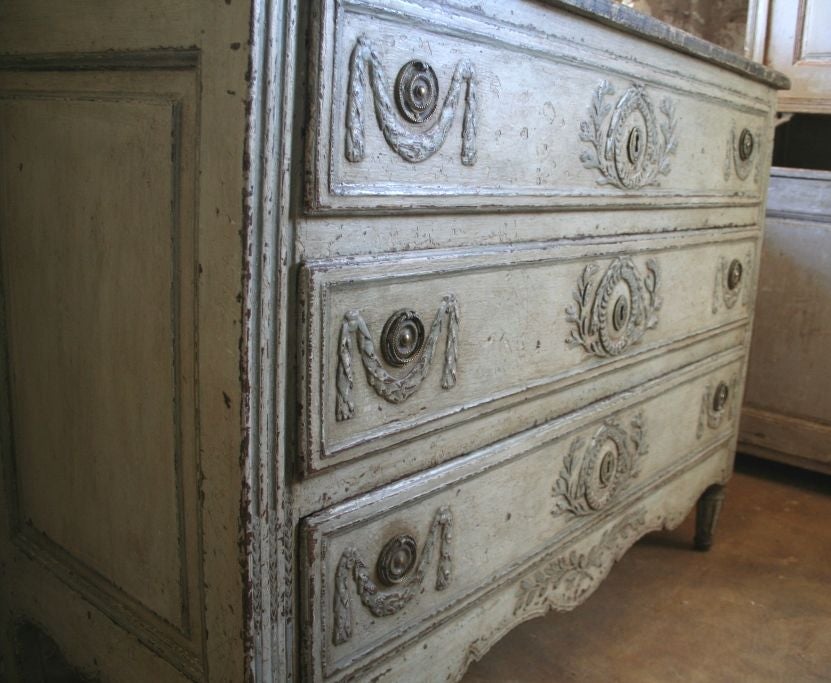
(526, 278)
(498, 276)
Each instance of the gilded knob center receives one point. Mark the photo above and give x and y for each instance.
(397, 559)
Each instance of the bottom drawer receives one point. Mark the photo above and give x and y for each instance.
(559, 580)
(385, 568)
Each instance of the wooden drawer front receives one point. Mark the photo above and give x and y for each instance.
(496, 326)
(520, 117)
(393, 562)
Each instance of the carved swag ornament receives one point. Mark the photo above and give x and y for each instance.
(365, 69)
(594, 472)
(396, 561)
(629, 152)
(612, 316)
(391, 388)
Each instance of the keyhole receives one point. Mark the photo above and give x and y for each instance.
(635, 145)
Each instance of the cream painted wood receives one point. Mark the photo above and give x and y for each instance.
(187, 236)
(787, 410)
(531, 92)
(500, 353)
(122, 137)
(98, 356)
(450, 646)
(793, 37)
(502, 512)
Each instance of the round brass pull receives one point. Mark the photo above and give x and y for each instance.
(402, 338)
(746, 145)
(396, 560)
(417, 91)
(734, 274)
(720, 397)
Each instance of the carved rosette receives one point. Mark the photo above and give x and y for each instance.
(634, 148)
(416, 92)
(594, 472)
(397, 567)
(567, 580)
(391, 388)
(717, 405)
(732, 276)
(612, 316)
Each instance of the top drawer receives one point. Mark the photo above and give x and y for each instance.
(418, 106)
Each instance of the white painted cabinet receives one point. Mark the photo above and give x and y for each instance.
(787, 411)
(341, 337)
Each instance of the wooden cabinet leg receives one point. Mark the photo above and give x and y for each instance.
(707, 512)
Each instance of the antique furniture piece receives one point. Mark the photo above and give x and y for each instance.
(786, 415)
(794, 36)
(486, 324)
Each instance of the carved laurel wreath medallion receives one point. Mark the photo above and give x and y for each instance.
(397, 567)
(389, 387)
(716, 405)
(567, 580)
(594, 472)
(365, 69)
(634, 148)
(612, 316)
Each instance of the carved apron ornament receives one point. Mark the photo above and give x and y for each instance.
(403, 344)
(567, 580)
(610, 318)
(592, 474)
(416, 93)
(629, 152)
(394, 568)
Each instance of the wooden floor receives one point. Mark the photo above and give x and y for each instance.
(756, 608)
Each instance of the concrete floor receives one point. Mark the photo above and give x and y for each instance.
(757, 607)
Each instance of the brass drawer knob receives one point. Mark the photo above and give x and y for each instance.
(720, 396)
(396, 560)
(746, 145)
(402, 338)
(417, 91)
(734, 274)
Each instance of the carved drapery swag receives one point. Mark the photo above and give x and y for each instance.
(365, 66)
(611, 317)
(629, 152)
(390, 388)
(383, 603)
(594, 471)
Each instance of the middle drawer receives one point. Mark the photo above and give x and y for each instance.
(391, 347)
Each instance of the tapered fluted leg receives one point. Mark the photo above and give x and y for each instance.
(707, 512)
